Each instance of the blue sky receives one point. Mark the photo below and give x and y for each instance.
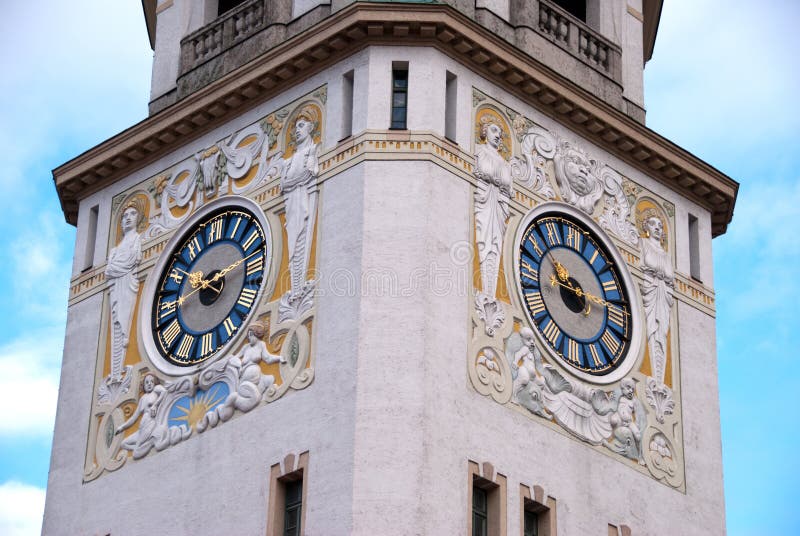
(723, 83)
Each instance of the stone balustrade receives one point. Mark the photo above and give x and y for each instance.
(578, 39)
(223, 33)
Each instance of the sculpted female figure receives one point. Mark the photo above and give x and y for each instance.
(492, 197)
(252, 383)
(149, 432)
(123, 260)
(298, 181)
(657, 291)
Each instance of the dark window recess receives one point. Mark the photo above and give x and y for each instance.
(227, 5)
(399, 99)
(531, 524)
(576, 8)
(294, 505)
(480, 511)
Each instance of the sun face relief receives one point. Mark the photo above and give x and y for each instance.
(575, 293)
(209, 286)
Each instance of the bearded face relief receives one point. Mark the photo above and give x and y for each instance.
(576, 177)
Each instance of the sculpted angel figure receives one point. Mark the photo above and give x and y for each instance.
(576, 177)
(123, 261)
(298, 181)
(146, 437)
(252, 383)
(657, 290)
(492, 198)
(527, 384)
(627, 421)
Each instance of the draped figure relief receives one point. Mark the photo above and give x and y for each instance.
(492, 197)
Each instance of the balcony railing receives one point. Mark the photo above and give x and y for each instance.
(233, 27)
(578, 39)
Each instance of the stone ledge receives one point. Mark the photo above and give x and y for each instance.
(361, 25)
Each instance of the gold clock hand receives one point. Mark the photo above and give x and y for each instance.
(206, 283)
(195, 278)
(582, 293)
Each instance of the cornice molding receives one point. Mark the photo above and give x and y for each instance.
(364, 24)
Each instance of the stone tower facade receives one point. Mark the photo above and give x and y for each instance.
(397, 267)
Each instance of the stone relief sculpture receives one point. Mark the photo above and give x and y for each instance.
(153, 431)
(657, 296)
(582, 410)
(537, 145)
(242, 373)
(298, 185)
(582, 181)
(121, 274)
(492, 197)
(628, 421)
(576, 175)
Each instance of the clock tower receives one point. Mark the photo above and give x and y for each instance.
(391, 267)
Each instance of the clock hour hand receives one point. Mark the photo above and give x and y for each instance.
(195, 278)
(207, 283)
(582, 293)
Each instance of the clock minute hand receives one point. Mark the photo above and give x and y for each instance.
(582, 293)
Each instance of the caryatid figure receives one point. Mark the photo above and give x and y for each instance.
(298, 184)
(123, 261)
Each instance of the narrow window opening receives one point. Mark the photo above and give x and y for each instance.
(294, 504)
(450, 106)
(694, 248)
(480, 511)
(531, 526)
(227, 5)
(399, 95)
(538, 512)
(91, 238)
(347, 102)
(576, 8)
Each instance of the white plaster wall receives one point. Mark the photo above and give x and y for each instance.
(391, 419)
(299, 7)
(501, 8)
(173, 22)
(632, 52)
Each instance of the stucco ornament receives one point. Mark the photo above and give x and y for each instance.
(492, 197)
(538, 145)
(121, 274)
(628, 420)
(657, 295)
(521, 353)
(154, 430)
(661, 457)
(298, 183)
(577, 177)
(212, 177)
(242, 374)
(583, 410)
(617, 210)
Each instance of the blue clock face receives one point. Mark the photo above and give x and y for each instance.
(574, 293)
(209, 286)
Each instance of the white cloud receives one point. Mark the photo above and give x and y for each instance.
(29, 372)
(21, 509)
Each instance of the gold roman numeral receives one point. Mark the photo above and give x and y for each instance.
(215, 230)
(205, 344)
(535, 244)
(247, 297)
(194, 248)
(594, 256)
(615, 315)
(229, 327)
(250, 239)
(551, 332)
(552, 233)
(574, 238)
(255, 265)
(595, 355)
(610, 341)
(529, 271)
(176, 276)
(573, 351)
(535, 302)
(167, 308)
(610, 286)
(186, 345)
(235, 227)
(172, 332)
